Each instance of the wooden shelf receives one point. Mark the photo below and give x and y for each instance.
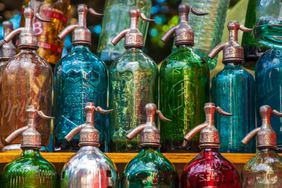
(122, 158)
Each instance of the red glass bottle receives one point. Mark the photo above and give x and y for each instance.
(209, 169)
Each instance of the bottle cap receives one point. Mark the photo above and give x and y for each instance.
(209, 136)
(266, 137)
(150, 135)
(31, 137)
(133, 37)
(27, 37)
(184, 34)
(232, 51)
(81, 34)
(89, 135)
(8, 49)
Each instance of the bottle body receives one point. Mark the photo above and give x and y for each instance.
(80, 77)
(26, 80)
(154, 170)
(184, 89)
(133, 84)
(264, 170)
(233, 89)
(50, 47)
(210, 169)
(268, 28)
(30, 170)
(89, 168)
(268, 82)
(208, 29)
(115, 20)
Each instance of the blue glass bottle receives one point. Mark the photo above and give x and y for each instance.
(132, 84)
(233, 89)
(79, 77)
(268, 74)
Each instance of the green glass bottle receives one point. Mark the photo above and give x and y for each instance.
(184, 86)
(149, 168)
(132, 84)
(30, 169)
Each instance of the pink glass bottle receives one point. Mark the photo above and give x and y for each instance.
(209, 169)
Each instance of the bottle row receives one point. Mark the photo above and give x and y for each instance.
(130, 83)
(90, 167)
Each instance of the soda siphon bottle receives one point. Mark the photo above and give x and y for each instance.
(149, 168)
(79, 77)
(265, 169)
(132, 84)
(26, 79)
(209, 168)
(268, 74)
(89, 167)
(184, 86)
(30, 169)
(114, 21)
(233, 89)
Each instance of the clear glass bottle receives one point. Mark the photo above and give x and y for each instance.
(30, 169)
(26, 79)
(184, 87)
(265, 169)
(209, 168)
(208, 29)
(133, 84)
(116, 20)
(89, 167)
(149, 168)
(79, 77)
(233, 88)
(268, 75)
(268, 29)
(57, 12)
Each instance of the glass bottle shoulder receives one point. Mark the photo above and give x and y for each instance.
(80, 58)
(149, 160)
(234, 72)
(269, 60)
(183, 57)
(133, 60)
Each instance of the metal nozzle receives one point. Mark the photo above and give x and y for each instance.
(183, 31)
(232, 51)
(266, 137)
(133, 37)
(8, 49)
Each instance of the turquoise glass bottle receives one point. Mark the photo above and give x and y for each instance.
(149, 168)
(265, 169)
(268, 75)
(79, 77)
(89, 167)
(114, 21)
(209, 168)
(30, 169)
(132, 84)
(233, 89)
(184, 86)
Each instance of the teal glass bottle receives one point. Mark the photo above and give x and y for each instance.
(209, 168)
(79, 77)
(184, 87)
(150, 168)
(30, 169)
(268, 75)
(89, 167)
(265, 169)
(114, 21)
(233, 89)
(132, 84)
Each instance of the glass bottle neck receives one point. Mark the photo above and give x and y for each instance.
(267, 152)
(80, 47)
(207, 152)
(186, 46)
(133, 50)
(30, 152)
(232, 64)
(25, 50)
